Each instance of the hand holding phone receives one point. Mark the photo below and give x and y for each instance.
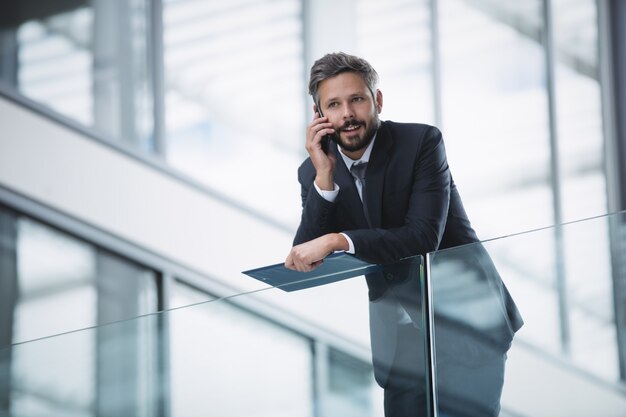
(324, 162)
(325, 142)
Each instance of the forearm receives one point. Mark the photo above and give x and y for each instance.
(387, 246)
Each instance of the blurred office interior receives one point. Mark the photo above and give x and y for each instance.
(148, 155)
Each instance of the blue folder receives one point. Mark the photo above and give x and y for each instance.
(336, 267)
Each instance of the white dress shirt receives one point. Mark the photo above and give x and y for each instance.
(331, 196)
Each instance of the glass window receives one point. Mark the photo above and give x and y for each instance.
(234, 99)
(496, 120)
(56, 277)
(73, 284)
(53, 283)
(395, 37)
(85, 60)
(495, 113)
(583, 182)
(579, 115)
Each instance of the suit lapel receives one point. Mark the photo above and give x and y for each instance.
(374, 179)
(375, 174)
(348, 194)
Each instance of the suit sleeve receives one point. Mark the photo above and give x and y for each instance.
(425, 218)
(317, 213)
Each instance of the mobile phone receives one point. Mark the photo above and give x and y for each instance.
(325, 142)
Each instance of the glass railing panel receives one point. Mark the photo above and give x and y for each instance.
(269, 353)
(372, 331)
(52, 282)
(225, 361)
(566, 284)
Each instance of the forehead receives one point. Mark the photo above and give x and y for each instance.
(344, 84)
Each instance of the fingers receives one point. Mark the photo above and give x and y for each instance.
(322, 129)
(299, 265)
(298, 262)
(316, 264)
(289, 262)
(319, 128)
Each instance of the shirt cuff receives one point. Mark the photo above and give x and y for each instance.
(350, 244)
(329, 196)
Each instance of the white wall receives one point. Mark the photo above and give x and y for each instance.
(109, 190)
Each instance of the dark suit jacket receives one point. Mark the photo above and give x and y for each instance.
(414, 208)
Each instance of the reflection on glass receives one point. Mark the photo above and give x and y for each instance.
(235, 97)
(85, 60)
(475, 319)
(546, 375)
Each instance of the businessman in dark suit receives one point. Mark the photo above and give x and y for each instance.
(383, 192)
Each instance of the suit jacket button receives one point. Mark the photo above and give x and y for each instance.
(389, 276)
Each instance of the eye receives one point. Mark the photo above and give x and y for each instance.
(333, 104)
(357, 99)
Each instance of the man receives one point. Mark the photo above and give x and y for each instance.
(403, 204)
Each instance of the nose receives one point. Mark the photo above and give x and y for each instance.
(348, 112)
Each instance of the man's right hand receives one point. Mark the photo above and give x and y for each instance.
(309, 255)
(324, 163)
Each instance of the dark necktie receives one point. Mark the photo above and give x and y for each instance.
(358, 172)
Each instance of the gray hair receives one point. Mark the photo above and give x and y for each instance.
(334, 64)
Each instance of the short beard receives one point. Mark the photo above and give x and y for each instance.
(363, 141)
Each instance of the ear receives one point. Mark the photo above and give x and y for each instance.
(379, 101)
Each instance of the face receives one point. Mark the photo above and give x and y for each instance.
(348, 103)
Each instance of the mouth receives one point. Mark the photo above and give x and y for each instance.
(351, 128)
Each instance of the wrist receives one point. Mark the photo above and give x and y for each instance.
(325, 181)
(338, 242)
